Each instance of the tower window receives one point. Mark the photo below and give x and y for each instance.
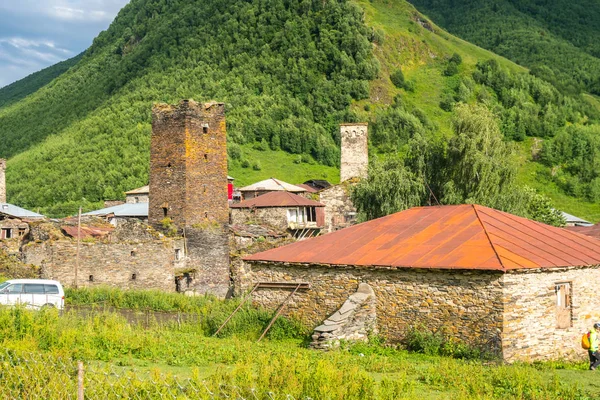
(91, 278)
(169, 165)
(165, 211)
(132, 253)
(205, 157)
(133, 277)
(205, 214)
(204, 128)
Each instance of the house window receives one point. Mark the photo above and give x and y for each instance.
(311, 214)
(564, 309)
(6, 233)
(177, 254)
(21, 232)
(137, 199)
(292, 215)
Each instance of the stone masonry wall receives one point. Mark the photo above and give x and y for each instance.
(106, 264)
(208, 260)
(355, 151)
(272, 216)
(2, 180)
(467, 304)
(530, 303)
(339, 210)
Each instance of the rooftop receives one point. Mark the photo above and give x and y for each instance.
(272, 184)
(123, 210)
(13, 211)
(277, 199)
(141, 190)
(444, 237)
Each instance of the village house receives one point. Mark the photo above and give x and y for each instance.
(123, 212)
(269, 185)
(283, 210)
(521, 289)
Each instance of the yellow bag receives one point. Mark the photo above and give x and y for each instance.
(585, 341)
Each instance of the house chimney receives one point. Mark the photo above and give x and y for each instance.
(2, 180)
(355, 151)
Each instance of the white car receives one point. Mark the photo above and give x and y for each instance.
(34, 293)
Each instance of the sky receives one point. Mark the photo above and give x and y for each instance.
(35, 34)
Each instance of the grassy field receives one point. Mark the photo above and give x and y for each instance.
(281, 364)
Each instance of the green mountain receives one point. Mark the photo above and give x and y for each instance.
(24, 87)
(289, 71)
(558, 40)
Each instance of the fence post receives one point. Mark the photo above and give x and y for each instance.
(79, 380)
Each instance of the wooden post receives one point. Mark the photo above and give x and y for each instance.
(80, 380)
(78, 244)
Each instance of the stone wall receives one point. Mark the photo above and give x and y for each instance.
(339, 210)
(147, 265)
(467, 304)
(207, 260)
(2, 180)
(355, 151)
(137, 198)
(530, 305)
(272, 216)
(18, 230)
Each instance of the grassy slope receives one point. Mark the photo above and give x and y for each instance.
(24, 87)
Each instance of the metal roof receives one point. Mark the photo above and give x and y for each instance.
(571, 219)
(123, 210)
(593, 230)
(308, 188)
(272, 184)
(445, 237)
(18, 212)
(140, 190)
(277, 199)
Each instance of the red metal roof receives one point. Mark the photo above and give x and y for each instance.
(277, 199)
(446, 237)
(308, 188)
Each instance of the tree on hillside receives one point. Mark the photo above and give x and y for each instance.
(476, 166)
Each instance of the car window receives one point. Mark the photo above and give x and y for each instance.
(34, 288)
(3, 285)
(51, 289)
(16, 288)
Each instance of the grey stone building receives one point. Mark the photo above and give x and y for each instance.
(516, 287)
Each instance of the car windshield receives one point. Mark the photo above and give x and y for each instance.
(3, 285)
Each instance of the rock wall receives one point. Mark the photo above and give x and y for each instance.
(466, 304)
(355, 151)
(339, 210)
(146, 265)
(272, 216)
(208, 260)
(530, 313)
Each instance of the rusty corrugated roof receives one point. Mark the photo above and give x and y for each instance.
(593, 231)
(446, 237)
(277, 199)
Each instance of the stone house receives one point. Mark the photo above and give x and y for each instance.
(282, 210)
(121, 213)
(139, 195)
(269, 185)
(521, 289)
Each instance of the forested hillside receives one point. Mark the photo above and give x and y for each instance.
(558, 40)
(289, 71)
(24, 87)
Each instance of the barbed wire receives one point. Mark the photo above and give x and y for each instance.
(40, 375)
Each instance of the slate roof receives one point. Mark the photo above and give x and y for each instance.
(17, 212)
(141, 190)
(445, 237)
(571, 219)
(272, 184)
(277, 199)
(123, 210)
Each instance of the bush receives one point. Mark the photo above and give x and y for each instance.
(234, 151)
(421, 340)
(245, 163)
(451, 69)
(397, 78)
(256, 166)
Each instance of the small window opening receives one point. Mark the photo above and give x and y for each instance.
(133, 253)
(205, 128)
(177, 254)
(6, 233)
(137, 199)
(204, 188)
(564, 309)
(21, 232)
(205, 157)
(205, 214)
(169, 165)
(165, 211)
(133, 277)
(91, 278)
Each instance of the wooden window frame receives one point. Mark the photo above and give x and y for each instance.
(564, 312)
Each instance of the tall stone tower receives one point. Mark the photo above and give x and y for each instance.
(188, 186)
(355, 151)
(2, 180)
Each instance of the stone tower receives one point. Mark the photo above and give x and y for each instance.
(188, 164)
(355, 151)
(2, 180)
(188, 187)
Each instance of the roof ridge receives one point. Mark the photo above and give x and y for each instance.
(487, 235)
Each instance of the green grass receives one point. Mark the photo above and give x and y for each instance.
(535, 175)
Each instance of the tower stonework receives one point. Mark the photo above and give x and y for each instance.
(355, 151)
(2, 180)
(188, 187)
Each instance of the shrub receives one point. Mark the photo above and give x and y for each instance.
(245, 163)
(397, 78)
(256, 166)
(234, 151)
